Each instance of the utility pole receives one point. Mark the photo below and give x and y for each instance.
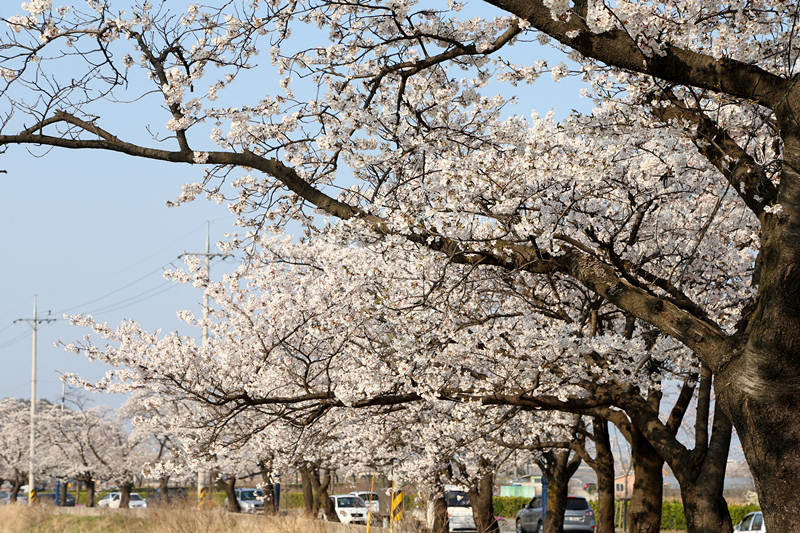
(34, 322)
(204, 478)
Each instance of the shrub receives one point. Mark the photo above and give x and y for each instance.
(295, 500)
(508, 506)
(738, 512)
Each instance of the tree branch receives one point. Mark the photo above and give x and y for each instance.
(673, 64)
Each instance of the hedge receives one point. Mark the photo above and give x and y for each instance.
(672, 516)
(295, 500)
(738, 512)
(508, 505)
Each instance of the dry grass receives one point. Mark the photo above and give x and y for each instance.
(22, 519)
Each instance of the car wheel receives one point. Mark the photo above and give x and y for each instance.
(520, 529)
(541, 528)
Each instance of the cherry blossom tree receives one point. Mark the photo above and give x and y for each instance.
(14, 442)
(674, 201)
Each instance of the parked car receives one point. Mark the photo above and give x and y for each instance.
(371, 499)
(350, 509)
(49, 498)
(578, 516)
(250, 500)
(459, 509)
(112, 501)
(5, 498)
(752, 522)
(175, 496)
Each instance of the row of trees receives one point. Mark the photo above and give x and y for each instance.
(88, 445)
(482, 282)
(371, 357)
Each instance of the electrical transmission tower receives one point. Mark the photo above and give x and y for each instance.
(203, 478)
(34, 323)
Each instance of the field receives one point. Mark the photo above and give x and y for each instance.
(22, 519)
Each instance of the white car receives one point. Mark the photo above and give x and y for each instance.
(752, 522)
(371, 499)
(112, 499)
(250, 500)
(350, 509)
(459, 509)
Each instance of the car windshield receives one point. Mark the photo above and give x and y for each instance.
(135, 496)
(368, 496)
(457, 498)
(577, 504)
(247, 495)
(349, 501)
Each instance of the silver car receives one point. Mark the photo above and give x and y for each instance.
(578, 516)
(752, 522)
(250, 500)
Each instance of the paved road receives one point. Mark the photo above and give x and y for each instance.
(507, 526)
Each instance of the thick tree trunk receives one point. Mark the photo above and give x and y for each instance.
(62, 494)
(269, 488)
(705, 511)
(228, 487)
(644, 513)
(90, 489)
(482, 504)
(556, 505)
(603, 466)
(15, 486)
(125, 495)
(308, 492)
(702, 482)
(558, 468)
(770, 436)
(163, 487)
(761, 381)
(322, 500)
(441, 524)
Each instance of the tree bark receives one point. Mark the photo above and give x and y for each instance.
(759, 385)
(15, 486)
(702, 477)
(481, 494)
(308, 491)
(441, 524)
(644, 513)
(322, 500)
(603, 465)
(558, 468)
(62, 495)
(269, 488)
(163, 487)
(90, 489)
(228, 487)
(704, 505)
(773, 454)
(125, 494)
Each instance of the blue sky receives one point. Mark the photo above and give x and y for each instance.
(92, 228)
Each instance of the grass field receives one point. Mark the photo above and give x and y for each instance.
(23, 519)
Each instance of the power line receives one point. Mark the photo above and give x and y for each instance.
(138, 298)
(167, 245)
(14, 340)
(135, 281)
(118, 289)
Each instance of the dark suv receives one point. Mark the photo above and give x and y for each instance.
(578, 517)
